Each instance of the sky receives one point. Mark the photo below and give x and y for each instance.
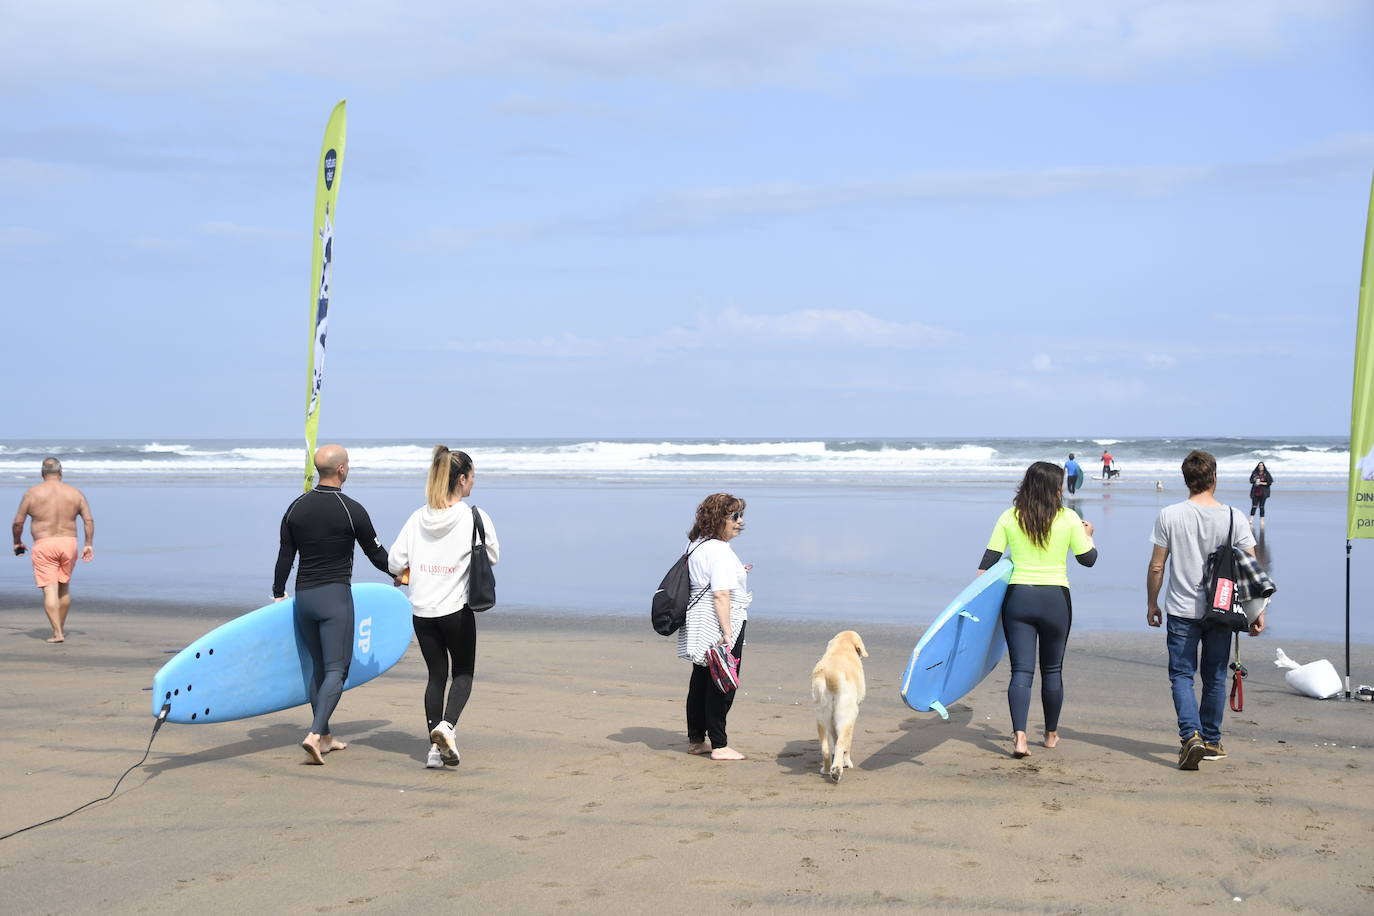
(734, 218)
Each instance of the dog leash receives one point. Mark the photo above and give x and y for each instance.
(1238, 681)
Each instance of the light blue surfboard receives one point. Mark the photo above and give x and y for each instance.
(253, 665)
(961, 646)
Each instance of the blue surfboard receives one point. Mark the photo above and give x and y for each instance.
(253, 664)
(961, 646)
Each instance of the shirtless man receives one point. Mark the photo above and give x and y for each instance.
(53, 507)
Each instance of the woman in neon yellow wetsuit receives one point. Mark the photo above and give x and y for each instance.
(1037, 612)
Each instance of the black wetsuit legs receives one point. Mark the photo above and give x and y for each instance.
(1034, 614)
(449, 647)
(324, 625)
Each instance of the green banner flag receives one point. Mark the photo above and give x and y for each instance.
(1360, 514)
(321, 260)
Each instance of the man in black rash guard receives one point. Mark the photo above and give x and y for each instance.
(322, 526)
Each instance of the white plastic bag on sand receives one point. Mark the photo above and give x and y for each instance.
(1318, 679)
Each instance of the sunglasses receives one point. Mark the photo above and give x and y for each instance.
(736, 516)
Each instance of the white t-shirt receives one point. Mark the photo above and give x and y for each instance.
(1191, 532)
(712, 567)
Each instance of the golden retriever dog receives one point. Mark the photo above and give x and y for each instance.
(837, 689)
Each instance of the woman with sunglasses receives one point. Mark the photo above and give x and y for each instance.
(715, 616)
(1039, 533)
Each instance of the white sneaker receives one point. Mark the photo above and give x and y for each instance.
(434, 761)
(442, 735)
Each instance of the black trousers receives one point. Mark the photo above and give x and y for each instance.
(707, 707)
(1257, 502)
(449, 647)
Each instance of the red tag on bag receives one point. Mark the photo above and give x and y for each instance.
(1225, 594)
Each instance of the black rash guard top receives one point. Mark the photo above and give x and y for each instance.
(322, 525)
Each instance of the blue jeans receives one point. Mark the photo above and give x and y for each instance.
(1183, 638)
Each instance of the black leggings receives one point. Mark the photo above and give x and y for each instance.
(324, 625)
(449, 645)
(707, 707)
(1257, 502)
(1032, 613)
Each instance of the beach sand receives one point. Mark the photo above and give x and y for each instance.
(576, 795)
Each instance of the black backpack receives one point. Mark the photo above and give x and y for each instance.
(668, 610)
(1224, 610)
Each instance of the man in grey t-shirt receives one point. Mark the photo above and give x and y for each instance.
(1185, 534)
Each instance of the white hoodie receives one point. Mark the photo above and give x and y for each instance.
(437, 546)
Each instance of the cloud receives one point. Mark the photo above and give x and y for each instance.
(708, 208)
(21, 237)
(263, 233)
(1042, 362)
(805, 328)
(733, 43)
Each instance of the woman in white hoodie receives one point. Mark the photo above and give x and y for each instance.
(436, 545)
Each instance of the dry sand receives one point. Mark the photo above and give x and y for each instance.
(576, 794)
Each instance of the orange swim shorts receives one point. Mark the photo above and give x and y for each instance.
(53, 559)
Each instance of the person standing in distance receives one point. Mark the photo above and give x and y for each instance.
(715, 616)
(52, 508)
(435, 544)
(1106, 465)
(1261, 481)
(1184, 535)
(322, 526)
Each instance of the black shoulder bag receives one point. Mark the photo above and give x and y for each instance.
(481, 580)
(1224, 610)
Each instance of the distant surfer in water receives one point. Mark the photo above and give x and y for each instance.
(53, 507)
(1106, 465)
(1037, 611)
(322, 526)
(1072, 474)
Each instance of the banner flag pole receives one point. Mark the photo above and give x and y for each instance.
(1360, 492)
(327, 175)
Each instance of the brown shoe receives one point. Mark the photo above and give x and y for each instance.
(1191, 753)
(1214, 751)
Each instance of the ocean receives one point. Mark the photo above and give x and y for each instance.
(859, 461)
(838, 530)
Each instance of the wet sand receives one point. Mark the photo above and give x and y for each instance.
(575, 793)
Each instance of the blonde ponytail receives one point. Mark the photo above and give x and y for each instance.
(445, 469)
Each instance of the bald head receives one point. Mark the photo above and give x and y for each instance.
(331, 463)
(52, 467)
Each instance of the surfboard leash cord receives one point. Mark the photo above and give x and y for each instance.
(161, 717)
(1238, 681)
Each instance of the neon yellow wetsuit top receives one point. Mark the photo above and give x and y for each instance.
(1046, 565)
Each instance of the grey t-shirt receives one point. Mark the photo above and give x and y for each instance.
(1191, 532)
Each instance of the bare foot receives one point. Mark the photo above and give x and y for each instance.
(57, 639)
(1019, 748)
(311, 745)
(1051, 739)
(330, 743)
(726, 753)
(699, 748)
